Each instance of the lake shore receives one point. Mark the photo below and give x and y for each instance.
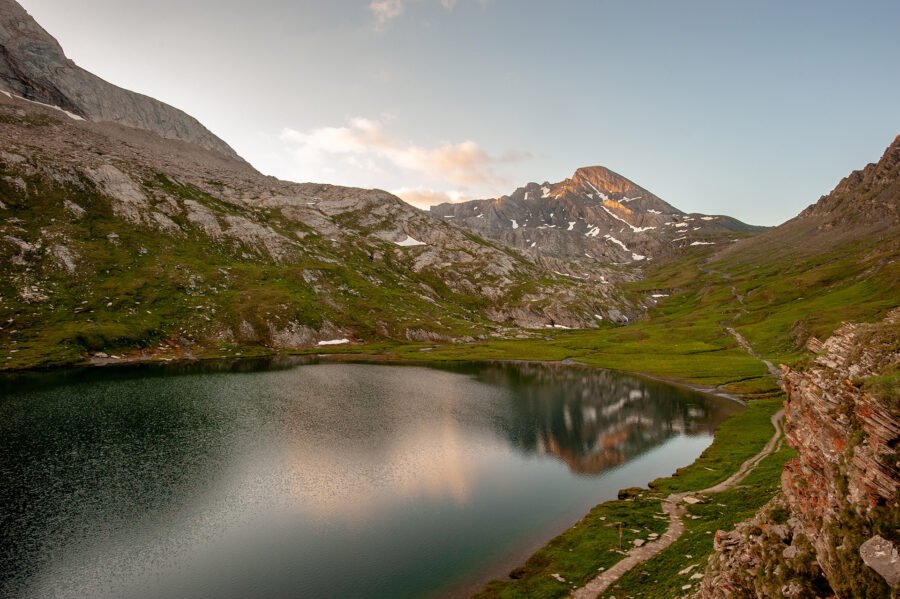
(579, 552)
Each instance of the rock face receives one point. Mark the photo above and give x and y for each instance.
(34, 66)
(838, 509)
(871, 195)
(595, 217)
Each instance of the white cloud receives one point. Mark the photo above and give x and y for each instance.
(371, 154)
(386, 11)
(422, 197)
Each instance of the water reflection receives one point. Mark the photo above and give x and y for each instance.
(262, 478)
(595, 419)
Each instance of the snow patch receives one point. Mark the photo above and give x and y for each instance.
(545, 191)
(709, 218)
(659, 295)
(617, 242)
(571, 225)
(633, 228)
(409, 242)
(515, 225)
(593, 232)
(599, 193)
(71, 115)
(562, 274)
(651, 211)
(334, 342)
(703, 243)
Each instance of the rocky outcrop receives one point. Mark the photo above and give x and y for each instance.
(869, 195)
(592, 219)
(34, 66)
(838, 510)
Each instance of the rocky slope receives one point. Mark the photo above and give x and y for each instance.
(115, 237)
(864, 206)
(833, 531)
(595, 217)
(34, 66)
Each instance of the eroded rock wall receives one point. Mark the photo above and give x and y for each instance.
(833, 531)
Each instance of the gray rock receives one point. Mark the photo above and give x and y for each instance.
(73, 208)
(65, 257)
(880, 554)
(34, 66)
(132, 201)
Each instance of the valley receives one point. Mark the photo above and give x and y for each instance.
(561, 334)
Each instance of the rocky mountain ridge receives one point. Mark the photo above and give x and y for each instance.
(33, 66)
(865, 205)
(595, 217)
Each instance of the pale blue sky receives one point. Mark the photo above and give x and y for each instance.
(752, 109)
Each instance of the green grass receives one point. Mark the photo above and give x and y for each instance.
(577, 554)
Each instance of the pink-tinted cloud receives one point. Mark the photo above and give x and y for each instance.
(366, 144)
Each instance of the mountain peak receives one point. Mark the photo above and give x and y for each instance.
(603, 179)
(595, 218)
(34, 66)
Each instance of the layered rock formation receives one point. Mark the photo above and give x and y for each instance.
(595, 217)
(834, 528)
(34, 66)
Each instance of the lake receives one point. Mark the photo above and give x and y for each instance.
(282, 478)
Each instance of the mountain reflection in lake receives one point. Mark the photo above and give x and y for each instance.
(274, 479)
(595, 419)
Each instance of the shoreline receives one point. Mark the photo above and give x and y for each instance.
(342, 356)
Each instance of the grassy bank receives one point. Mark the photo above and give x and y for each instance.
(660, 577)
(592, 544)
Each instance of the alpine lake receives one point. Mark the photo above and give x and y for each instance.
(286, 477)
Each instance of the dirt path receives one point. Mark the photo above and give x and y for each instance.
(749, 349)
(675, 506)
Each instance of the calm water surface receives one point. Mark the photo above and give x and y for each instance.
(276, 479)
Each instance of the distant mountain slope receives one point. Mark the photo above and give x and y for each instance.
(864, 207)
(837, 261)
(596, 215)
(34, 66)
